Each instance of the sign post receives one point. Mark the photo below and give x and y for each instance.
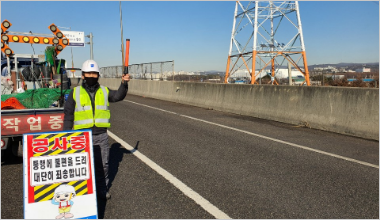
(59, 177)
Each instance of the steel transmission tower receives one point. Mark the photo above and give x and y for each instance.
(264, 36)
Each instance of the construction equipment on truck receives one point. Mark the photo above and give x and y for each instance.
(43, 116)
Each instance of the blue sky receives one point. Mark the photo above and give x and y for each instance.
(195, 34)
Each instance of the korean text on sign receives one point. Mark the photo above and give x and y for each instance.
(41, 145)
(31, 123)
(59, 168)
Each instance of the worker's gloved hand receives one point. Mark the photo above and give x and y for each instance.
(125, 78)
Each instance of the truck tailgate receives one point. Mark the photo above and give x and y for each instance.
(18, 122)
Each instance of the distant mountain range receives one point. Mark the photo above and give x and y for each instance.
(336, 65)
(375, 64)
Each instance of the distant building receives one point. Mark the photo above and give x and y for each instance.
(350, 71)
(337, 76)
(279, 74)
(363, 70)
(328, 68)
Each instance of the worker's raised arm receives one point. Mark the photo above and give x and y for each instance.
(118, 95)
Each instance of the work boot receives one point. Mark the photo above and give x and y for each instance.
(105, 195)
(108, 195)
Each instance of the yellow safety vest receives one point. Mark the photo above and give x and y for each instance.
(84, 116)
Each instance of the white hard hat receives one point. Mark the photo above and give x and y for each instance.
(65, 189)
(90, 66)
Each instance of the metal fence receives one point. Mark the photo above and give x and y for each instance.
(149, 71)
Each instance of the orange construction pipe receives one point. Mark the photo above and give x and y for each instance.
(253, 76)
(306, 68)
(227, 69)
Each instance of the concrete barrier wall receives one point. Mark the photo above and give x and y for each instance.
(351, 111)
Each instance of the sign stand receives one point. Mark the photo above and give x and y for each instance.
(59, 179)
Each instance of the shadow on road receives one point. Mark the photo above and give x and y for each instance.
(7, 158)
(116, 156)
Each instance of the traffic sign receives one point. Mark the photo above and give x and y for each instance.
(59, 177)
(76, 38)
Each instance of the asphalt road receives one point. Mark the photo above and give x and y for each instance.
(244, 167)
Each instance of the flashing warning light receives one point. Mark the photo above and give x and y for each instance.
(6, 24)
(59, 35)
(25, 39)
(4, 38)
(55, 41)
(53, 28)
(59, 41)
(8, 51)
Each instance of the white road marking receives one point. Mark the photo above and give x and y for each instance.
(206, 205)
(264, 137)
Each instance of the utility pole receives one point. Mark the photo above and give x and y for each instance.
(72, 57)
(91, 46)
(290, 74)
(323, 76)
(173, 70)
(122, 42)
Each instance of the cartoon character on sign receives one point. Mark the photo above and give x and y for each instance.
(63, 195)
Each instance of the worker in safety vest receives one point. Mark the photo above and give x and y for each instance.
(87, 107)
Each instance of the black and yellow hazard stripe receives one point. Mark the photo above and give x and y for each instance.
(46, 192)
